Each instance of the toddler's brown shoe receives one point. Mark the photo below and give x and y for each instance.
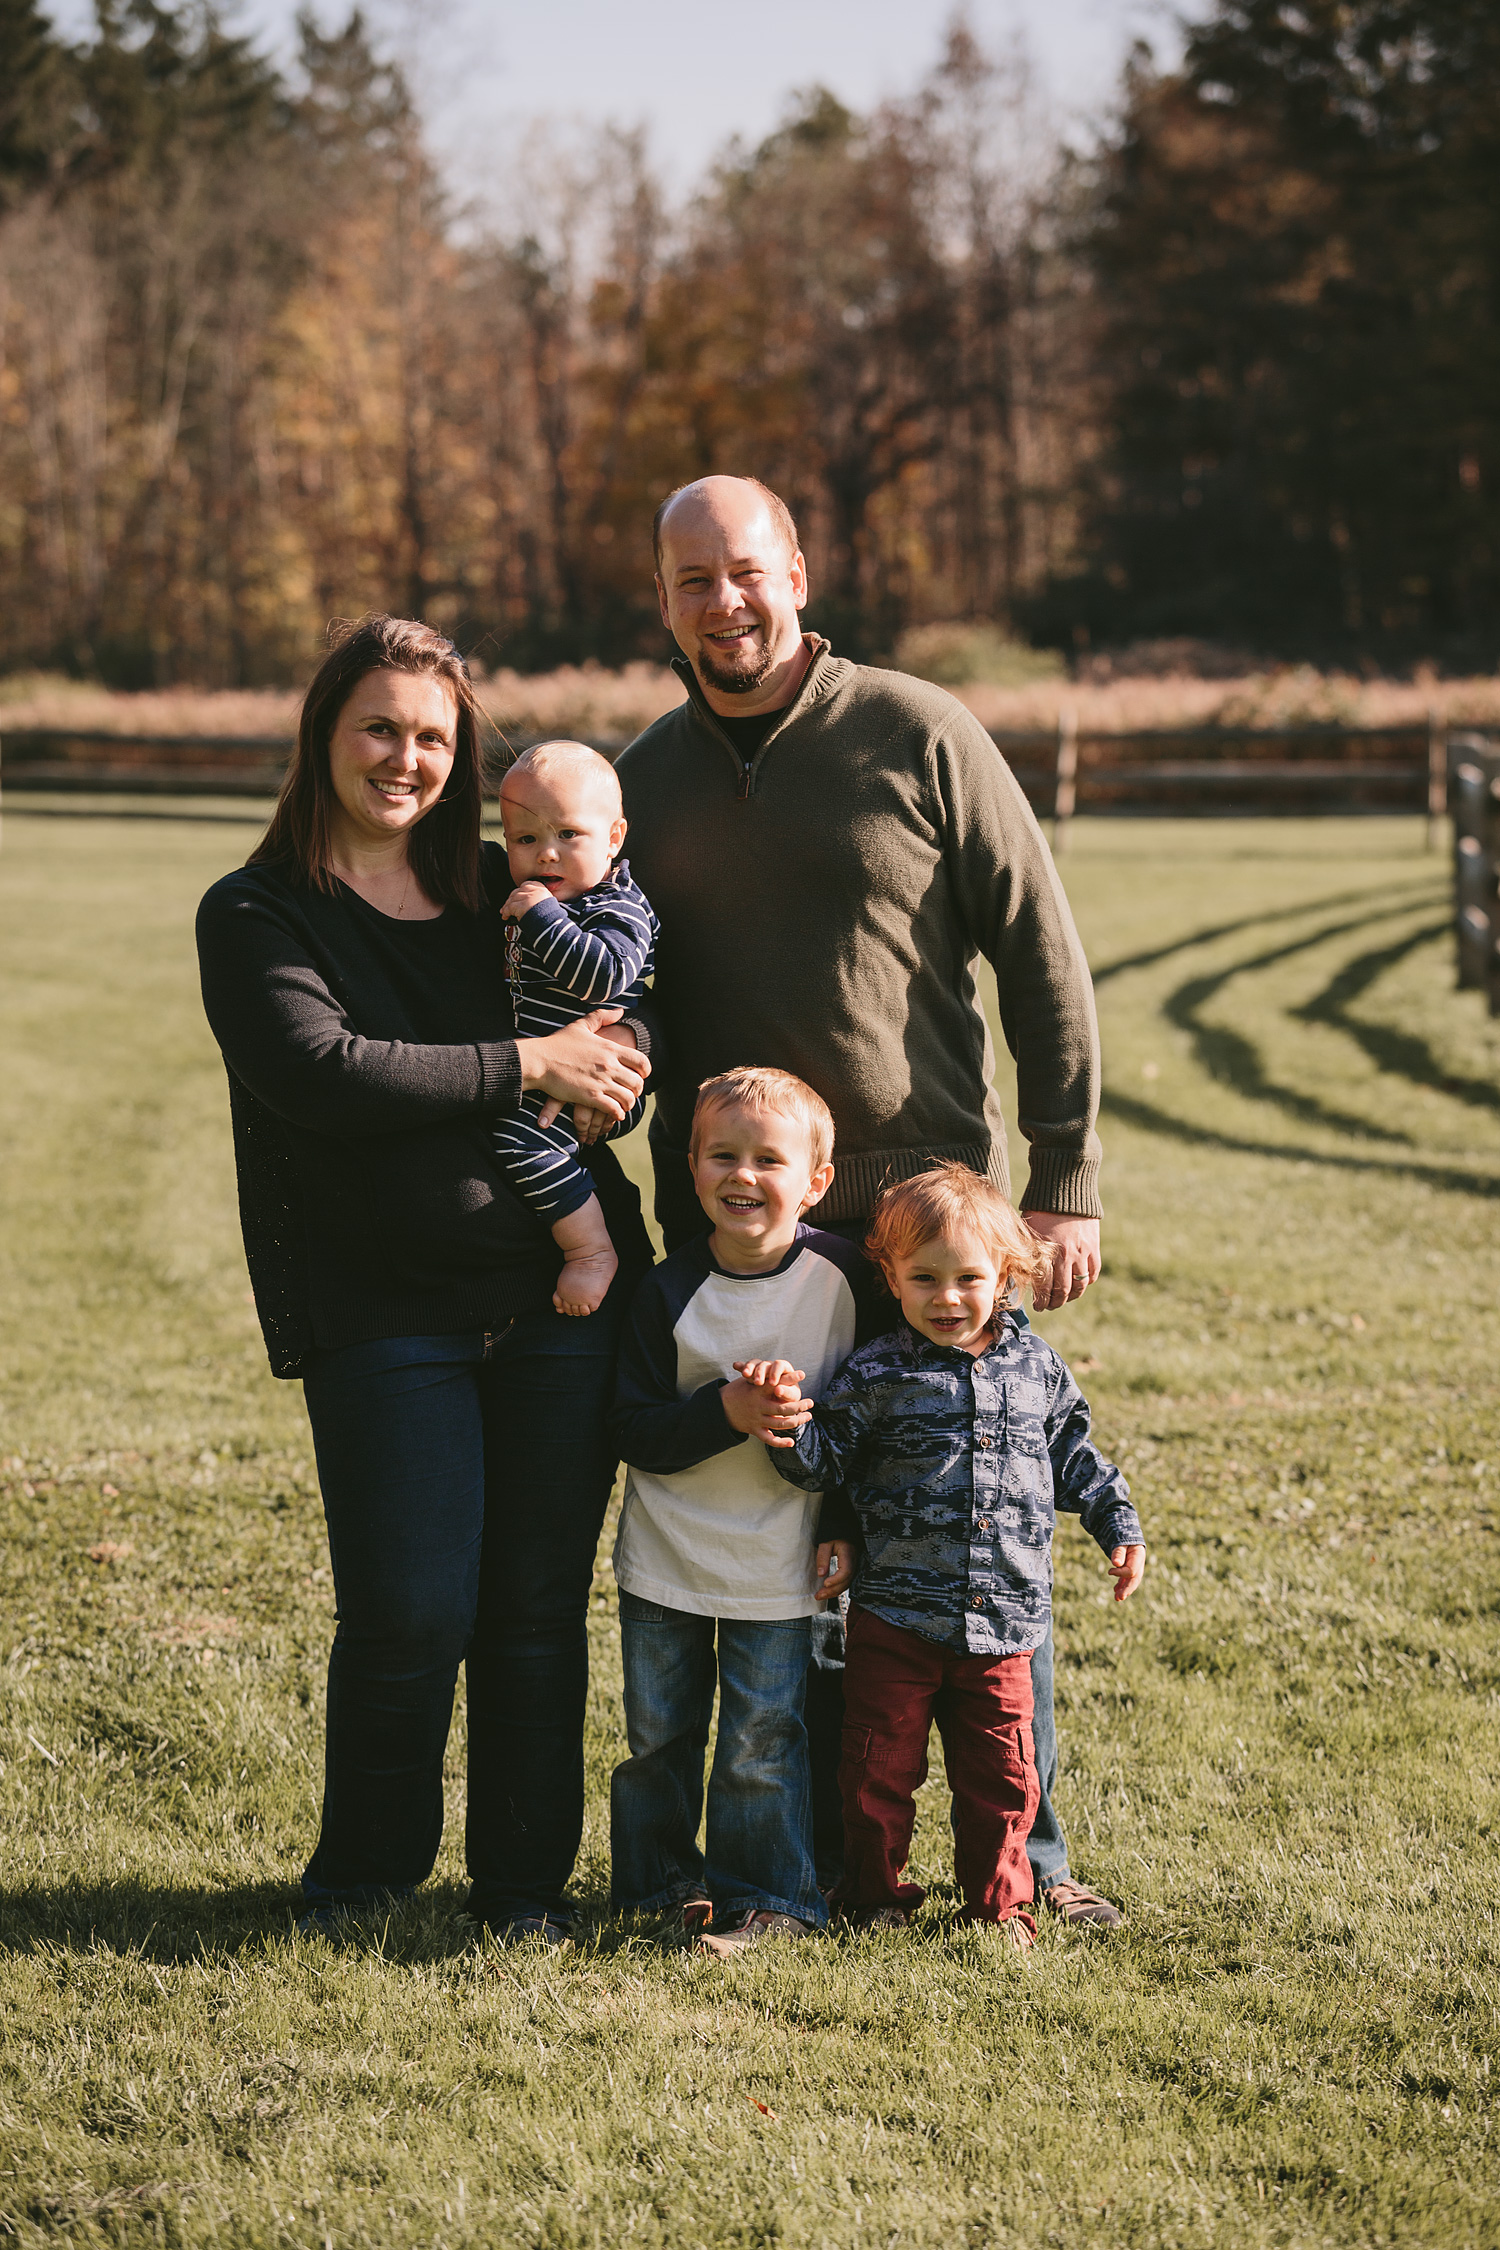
(879, 1918)
(1080, 1907)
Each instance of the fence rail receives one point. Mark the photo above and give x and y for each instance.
(1474, 795)
(1231, 770)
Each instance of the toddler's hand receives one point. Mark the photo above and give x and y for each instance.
(522, 899)
(772, 1412)
(835, 1567)
(768, 1371)
(1128, 1567)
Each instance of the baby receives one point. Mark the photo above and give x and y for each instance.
(579, 935)
(956, 1440)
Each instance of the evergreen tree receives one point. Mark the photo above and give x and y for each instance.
(1297, 257)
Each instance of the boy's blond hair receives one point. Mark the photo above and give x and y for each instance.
(567, 761)
(767, 1093)
(951, 1200)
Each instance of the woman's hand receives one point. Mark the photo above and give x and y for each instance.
(591, 1124)
(579, 1065)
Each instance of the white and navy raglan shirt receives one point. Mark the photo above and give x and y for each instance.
(707, 1525)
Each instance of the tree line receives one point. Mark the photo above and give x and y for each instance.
(1234, 372)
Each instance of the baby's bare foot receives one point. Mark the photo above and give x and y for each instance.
(584, 1282)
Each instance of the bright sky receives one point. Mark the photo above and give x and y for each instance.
(694, 76)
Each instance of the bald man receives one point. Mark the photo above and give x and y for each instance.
(830, 848)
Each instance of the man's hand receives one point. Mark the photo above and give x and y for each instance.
(1128, 1568)
(580, 1064)
(1074, 1244)
(835, 1567)
(766, 1402)
(522, 899)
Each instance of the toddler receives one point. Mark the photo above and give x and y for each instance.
(715, 1557)
(579, 935)
(955, 1439)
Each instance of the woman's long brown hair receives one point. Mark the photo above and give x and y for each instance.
(443, 852)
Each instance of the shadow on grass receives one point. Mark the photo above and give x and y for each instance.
(1231, 1059)
(1400, 1053)
(1214, 931)
(197, 1922)
(1148, 1119)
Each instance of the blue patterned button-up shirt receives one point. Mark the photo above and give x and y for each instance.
(954, 1467)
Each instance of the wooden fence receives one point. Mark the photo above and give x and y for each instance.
(1474, 795)
(1225, 770)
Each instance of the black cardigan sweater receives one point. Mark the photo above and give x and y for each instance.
(366, 1057)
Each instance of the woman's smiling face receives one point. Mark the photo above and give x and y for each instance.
(389, 756)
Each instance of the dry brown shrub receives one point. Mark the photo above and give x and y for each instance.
(46, 700)
(609, 707)
(1296, 696)
(581, 700)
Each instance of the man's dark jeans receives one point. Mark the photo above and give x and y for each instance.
(465, 1480)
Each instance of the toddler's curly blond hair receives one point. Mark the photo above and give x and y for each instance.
(951, 1200)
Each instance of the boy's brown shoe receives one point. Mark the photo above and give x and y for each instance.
(1080, 1907)
(750, 1929)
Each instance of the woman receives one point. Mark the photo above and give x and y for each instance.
(351, 974)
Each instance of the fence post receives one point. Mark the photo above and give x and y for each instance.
(1066, 796)
(1437, 779)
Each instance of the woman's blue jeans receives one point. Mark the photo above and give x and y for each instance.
(759, 1831)
(465, 1480)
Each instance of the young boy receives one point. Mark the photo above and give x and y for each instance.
(956, 1439)
(579, 935)
(713, 1546)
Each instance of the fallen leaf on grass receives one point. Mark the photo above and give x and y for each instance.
(754, 2104)
(111, 1550)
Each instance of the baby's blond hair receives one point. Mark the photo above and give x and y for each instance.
(767, 1092)
(568, 760)
(951, 1200)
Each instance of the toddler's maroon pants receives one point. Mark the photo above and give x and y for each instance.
(895, 1684)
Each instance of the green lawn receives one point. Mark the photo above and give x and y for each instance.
(1281, 1758)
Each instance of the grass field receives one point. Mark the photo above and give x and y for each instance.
(1281, 1758)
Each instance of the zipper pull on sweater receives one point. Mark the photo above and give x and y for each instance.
(744, 788)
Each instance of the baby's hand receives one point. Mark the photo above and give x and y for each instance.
(835, 1567)
(522, 899)
(768, 1410)
(1128, 1566)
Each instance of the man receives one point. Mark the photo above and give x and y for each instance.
(829, 847)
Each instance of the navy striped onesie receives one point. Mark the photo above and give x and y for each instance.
(564, 958)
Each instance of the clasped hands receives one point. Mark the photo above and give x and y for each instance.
(766, 1402)
(590, 1066)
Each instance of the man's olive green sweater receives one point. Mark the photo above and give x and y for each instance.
(822, 910)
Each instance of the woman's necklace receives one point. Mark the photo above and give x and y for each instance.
(357, 885)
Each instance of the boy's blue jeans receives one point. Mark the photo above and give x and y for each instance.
(759, 1834)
